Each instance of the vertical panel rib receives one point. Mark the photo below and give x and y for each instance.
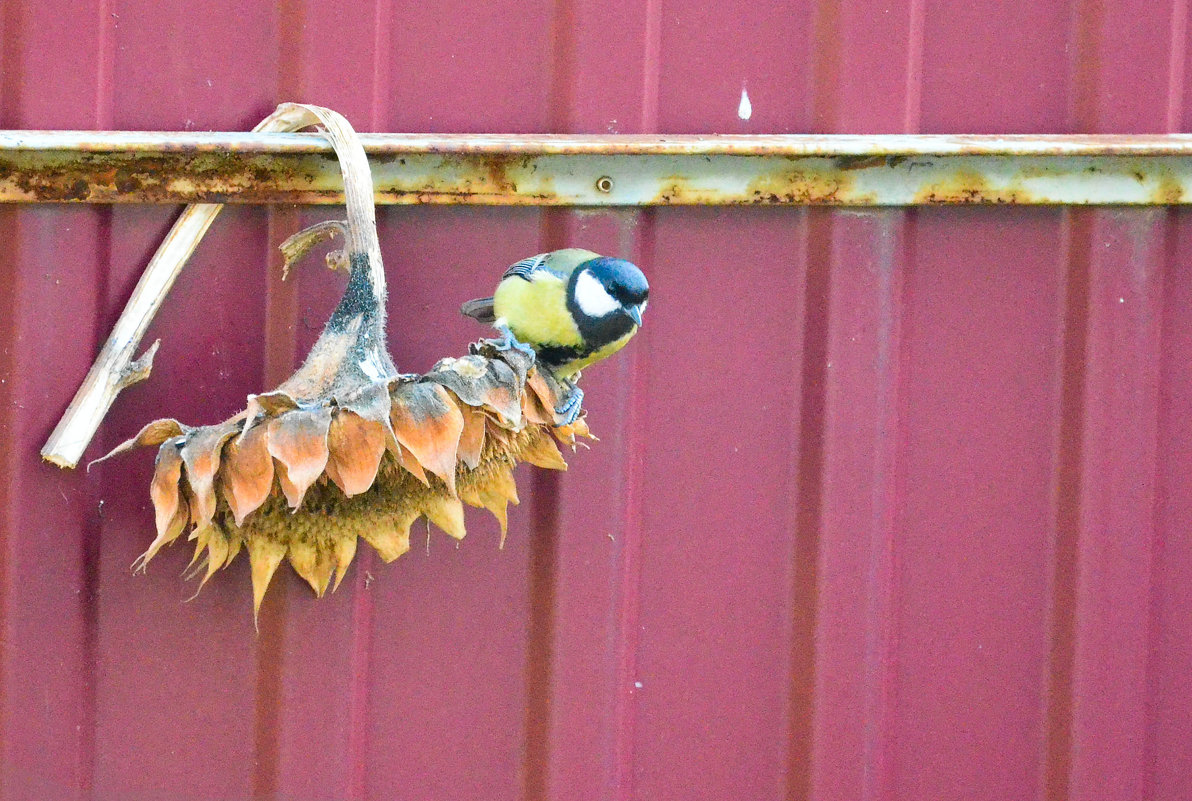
(1158, 707)
(1177, 65)
(540, 641)
(913, 91)
(1083, 71)
(828, 49)
(825, 98)
(541, 648)
(1056, 767)
(10, 258)
(628, 575)
(856, 605)
(1122, 86)
(104, 106)
(313, 716)
(586, 693)
(1171, 725)
(808, 502)
(1167, 711)
(1170, 762)
(52, 263)
(279, 359)
(866, 254)
(10, 72)
(628, 578)
(170, 672)
(1116, 550)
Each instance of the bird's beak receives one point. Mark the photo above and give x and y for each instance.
(635, 312)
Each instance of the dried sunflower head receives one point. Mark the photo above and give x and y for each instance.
(347, 448)
(304, 482)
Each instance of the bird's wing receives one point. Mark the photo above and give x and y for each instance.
(557, 263)
(480, 309)
(533, 268)
(525, 268)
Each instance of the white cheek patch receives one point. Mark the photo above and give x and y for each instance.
(592, 298)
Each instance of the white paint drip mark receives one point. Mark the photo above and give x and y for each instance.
(744, 108)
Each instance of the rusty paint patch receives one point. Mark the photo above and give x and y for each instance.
(795, 185)
(964, 186)
(681, 190)
(1169, 192)
(160, 178)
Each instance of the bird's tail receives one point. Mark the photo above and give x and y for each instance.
(480, 309)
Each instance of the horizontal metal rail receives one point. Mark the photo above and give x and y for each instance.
(566, 170)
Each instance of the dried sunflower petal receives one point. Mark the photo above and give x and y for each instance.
(247, 472)
(298, 441)
(313, 563)
(345, 552)
(201, 454)
(447, 514)
(493, 491)
(471, 439)
(153, 433)
(391, 540)
(542, 452)
(356, 446)
(428, 424)
(167, 473)
(264, 555)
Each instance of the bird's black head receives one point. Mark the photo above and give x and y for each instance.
(606, 297)
(620, 278)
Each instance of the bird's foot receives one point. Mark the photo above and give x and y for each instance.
(570, 408)
(509, 342)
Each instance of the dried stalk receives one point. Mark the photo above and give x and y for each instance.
(111, 371)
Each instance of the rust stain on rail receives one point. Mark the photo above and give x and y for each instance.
(519, 178)
(143, 178)
(1169, 192)
(798, 185)
(964, 187)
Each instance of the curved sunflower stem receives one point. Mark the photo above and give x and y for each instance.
(361, 236)
(352, 347)
(109, 374)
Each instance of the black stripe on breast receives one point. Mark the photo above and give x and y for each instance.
(558, 355)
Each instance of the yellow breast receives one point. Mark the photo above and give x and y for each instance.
(571, 368)
(536, 311)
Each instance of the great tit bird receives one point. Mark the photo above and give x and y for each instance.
(570, 308)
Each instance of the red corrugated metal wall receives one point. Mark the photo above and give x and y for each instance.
(888, 504)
